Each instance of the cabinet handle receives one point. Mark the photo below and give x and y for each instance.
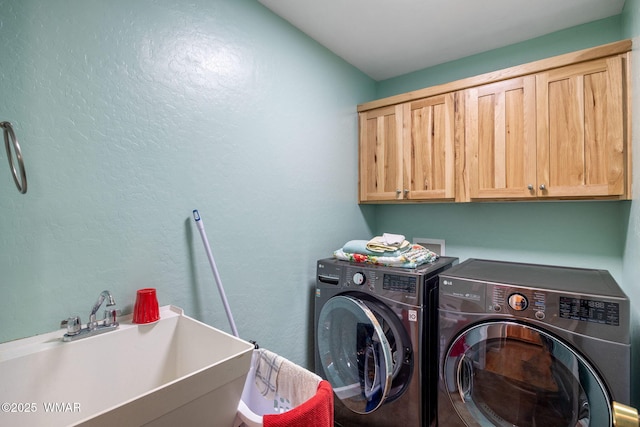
(530, 187)
(406, 192)
(398, 192)
(543, 187)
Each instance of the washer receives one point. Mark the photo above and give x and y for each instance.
(531, 345)
(375, 335)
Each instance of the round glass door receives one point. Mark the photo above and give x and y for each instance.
(399, 345)
(510, 374)
(355, 353)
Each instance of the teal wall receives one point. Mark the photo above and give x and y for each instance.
(583, 234)
(132, 114)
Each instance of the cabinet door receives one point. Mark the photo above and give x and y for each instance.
(381, 154)
(581, 130)
(501, 139)
(429, 148)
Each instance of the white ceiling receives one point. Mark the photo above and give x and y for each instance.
(388, 38)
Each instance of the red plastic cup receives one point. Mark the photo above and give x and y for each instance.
(146, 309)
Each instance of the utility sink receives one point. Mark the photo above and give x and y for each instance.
(176, 371)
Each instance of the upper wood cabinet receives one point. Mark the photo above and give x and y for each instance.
(556, 134)
(407, 151)
(552, 129)
(381, 154)
(500, 138)
(429, 148)
(581, 130)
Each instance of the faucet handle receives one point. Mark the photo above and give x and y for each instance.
(72, 324)
(111, 316)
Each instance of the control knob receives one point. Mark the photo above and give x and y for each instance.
(359, 278)
(518, 302)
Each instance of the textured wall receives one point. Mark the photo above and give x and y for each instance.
(131, 115)
(579, 234)
(631, 271)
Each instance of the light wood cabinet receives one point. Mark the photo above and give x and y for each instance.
(407, 151)
(381, 154)
(581, 130)
(557, 134)
(500, 132)
(429, 148)
(557, 128)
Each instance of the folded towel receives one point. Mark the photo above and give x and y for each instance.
(267, 370)
(387, 242)
(296, 383)
(315, 412)
(393, 239)
(360, 247)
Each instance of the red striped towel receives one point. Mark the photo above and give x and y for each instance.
(315, 412)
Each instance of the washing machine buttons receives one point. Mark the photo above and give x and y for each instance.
(518, 302)
(539, 315)
(359, 278)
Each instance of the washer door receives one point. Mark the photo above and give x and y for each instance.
(510, 374)
(355, 353)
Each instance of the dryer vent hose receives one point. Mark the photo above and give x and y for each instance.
(625, 416)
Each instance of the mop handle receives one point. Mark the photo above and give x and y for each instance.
(203, 234)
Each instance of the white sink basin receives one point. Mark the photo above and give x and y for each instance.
(175, 372)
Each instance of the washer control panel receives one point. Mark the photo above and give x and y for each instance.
(361, 278)
(411, 286)
(381, 281)
(402, 285)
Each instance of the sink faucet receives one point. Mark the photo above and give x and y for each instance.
(74, 325)
(92, 317)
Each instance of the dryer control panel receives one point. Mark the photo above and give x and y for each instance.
(590, 310)
(535, 303)
(580, 300)
(519, 300)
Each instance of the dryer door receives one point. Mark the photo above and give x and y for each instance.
(355, 353)
(511, 374)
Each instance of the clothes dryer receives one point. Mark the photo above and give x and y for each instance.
(375, 336)
(531, 345)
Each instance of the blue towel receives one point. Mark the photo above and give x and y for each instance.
(360, 247)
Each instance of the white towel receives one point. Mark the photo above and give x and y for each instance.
(279, 377)
(393, 239)
(382, 243)
(296, 383)
(267, 370)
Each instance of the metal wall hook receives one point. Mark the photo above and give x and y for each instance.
(10, 139)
